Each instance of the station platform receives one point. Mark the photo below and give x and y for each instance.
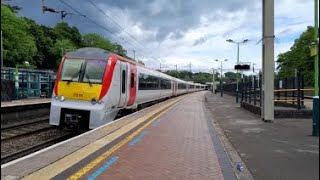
(24, 102)
(175, 139)
(284, 149)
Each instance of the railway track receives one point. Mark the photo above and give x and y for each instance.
(25, 139)
(24, 129)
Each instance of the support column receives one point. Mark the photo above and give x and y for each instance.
(315, 124)
(268, 61)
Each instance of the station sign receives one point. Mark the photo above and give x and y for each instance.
(242, 67)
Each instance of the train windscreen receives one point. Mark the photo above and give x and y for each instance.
(87, 71)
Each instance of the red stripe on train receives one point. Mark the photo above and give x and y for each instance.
(55, 89)
(108, 76)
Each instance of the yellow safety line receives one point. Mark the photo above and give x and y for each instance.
(95, 162)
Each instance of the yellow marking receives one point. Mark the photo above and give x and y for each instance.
(79, 91)
(91, 165)
(66, 162)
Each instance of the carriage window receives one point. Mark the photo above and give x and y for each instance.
(123, 81)
(165, 84)
(148, 82)
(182, 86)
(132, 80)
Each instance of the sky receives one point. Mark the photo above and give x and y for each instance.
(180, 32)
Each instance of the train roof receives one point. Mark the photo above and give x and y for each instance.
(98, 53)
(89, 52)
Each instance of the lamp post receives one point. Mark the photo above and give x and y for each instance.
(221, 83)
(213, 81)
(238, 44)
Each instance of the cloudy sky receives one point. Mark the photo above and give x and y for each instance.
(181, 31)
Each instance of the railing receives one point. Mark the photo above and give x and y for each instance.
(25, 83)
(288, 92)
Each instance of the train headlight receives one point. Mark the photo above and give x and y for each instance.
(93, 101)
(99, 101)
(56, 97)
(62, 98)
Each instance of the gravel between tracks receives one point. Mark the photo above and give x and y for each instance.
(30, 140)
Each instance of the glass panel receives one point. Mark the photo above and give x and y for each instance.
(94, 71)
(71, 69)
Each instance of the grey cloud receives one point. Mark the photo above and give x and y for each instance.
(200, 41)
(173, 17)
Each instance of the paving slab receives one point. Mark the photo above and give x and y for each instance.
(284, 149)
(180, 144)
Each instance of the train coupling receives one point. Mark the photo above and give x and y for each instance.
(72, 121)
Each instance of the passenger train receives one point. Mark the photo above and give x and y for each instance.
(92, 85)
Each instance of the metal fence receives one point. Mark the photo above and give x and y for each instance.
(288, 91)
(25, 83)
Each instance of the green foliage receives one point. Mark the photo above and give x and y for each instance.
(18, 45)
(64, 31)
(298, 57)
(231, 77)
(43, 42)
(41, 46)
(141, 62)
(200, 77)
(26, 65)
(59, 48)
(185, 75)
(118, 49)
(14, 9)
(95, 40)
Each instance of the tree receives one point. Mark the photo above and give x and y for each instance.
(202, 77)
(14, 9)
(118, 49)
(58, 50)
(26, 41)
(18, 45)
(231, 77)
(298, 57)
(64, 31)
(141, 62)
(43, 42)
(95, 40)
